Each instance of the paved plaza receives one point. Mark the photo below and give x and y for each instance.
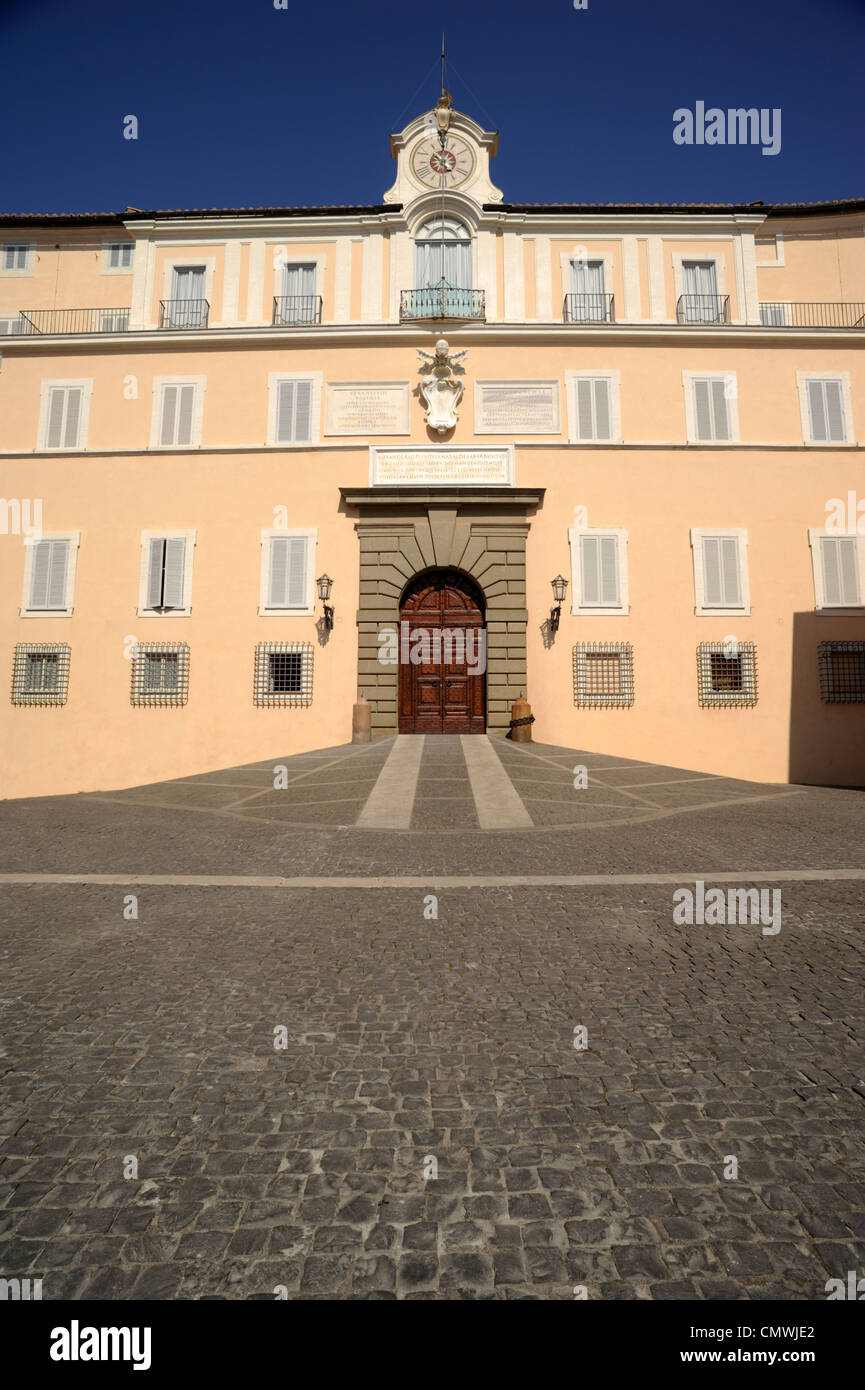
(307, 1028)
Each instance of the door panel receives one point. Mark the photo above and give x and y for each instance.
(441, 694)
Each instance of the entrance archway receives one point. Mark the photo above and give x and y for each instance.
(442, 659)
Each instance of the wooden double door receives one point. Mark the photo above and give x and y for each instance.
(442, 656)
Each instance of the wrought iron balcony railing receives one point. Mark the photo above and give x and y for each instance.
(703, 308)
(589, 308)
(291, 310)
(441, 302)
(183, 313)
(73, 321)
(803, 314)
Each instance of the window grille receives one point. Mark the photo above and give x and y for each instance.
(283, 674)
(40, 673)
(842, 672)
(726, 674)
(160, 673)
(603, 675)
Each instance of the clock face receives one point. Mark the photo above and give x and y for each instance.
(429, 162)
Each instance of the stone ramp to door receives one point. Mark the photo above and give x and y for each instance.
(450, 783)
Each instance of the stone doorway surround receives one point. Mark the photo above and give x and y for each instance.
(482, 532)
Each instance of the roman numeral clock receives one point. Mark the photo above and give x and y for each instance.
(433, 165)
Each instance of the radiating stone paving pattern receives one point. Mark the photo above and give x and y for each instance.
(408, 1038)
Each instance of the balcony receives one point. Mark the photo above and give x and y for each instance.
(184, 313)
(441, 302)
(72, 321)
(589, 308)
(812, 314)
(703, 308)
(296, 310)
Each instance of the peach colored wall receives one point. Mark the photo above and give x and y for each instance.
(236, 396)
(68, 278)
(658, 494)
(823, 262)
(529, 277)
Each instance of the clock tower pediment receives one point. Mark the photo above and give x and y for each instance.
(463, 163)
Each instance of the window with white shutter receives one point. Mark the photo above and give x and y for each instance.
(294, 408)
(294, 412)
(598, 569)
(837, 562)
(63, 417)
(287, 565)
(49, 575)
(178, 404)
(167, 568)
(826, 422)
(593, 406)
(711, 410)
(721, 571)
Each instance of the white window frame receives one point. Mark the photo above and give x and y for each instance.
(166, 534)
(74, 539)
(275, 532)
(740, 535)
(732, 396)
(802, 379)
(273, 380)
(622, 609)
(784, 304)
(29, 268)
(12, 318)
(45, 388)
(200, 384)
(613, 376)
(107, 269)
(567, 259)
(815, 535)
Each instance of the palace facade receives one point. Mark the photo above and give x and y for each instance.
(248, 452)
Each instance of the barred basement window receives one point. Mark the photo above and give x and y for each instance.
(726, 674)
(603, 675)
(160, 673)
(842, 672)
(40, 674)
(283, 673)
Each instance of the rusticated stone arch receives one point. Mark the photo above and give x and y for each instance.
(482, 533)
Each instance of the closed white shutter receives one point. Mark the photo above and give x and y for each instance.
(286, 587)
(722, 581)
(169, 414)
(74, 395)
(48, 574)
(599, 572)
(594, 416)
(826, 412)
(294, 412)
(54, 435)
(178, 412)
(186, 407)
(711, 414)
(840, 567)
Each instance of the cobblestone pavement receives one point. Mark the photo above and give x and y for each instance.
(284, 1065)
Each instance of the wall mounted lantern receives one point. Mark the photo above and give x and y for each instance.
(325, 584)
(560, 585)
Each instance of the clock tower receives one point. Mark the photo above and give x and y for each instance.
(460, 162)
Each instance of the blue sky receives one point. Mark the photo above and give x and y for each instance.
(241, 104)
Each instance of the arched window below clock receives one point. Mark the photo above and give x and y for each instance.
(443, 252)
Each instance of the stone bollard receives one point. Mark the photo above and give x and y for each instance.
(521, 710)
(361, 721)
